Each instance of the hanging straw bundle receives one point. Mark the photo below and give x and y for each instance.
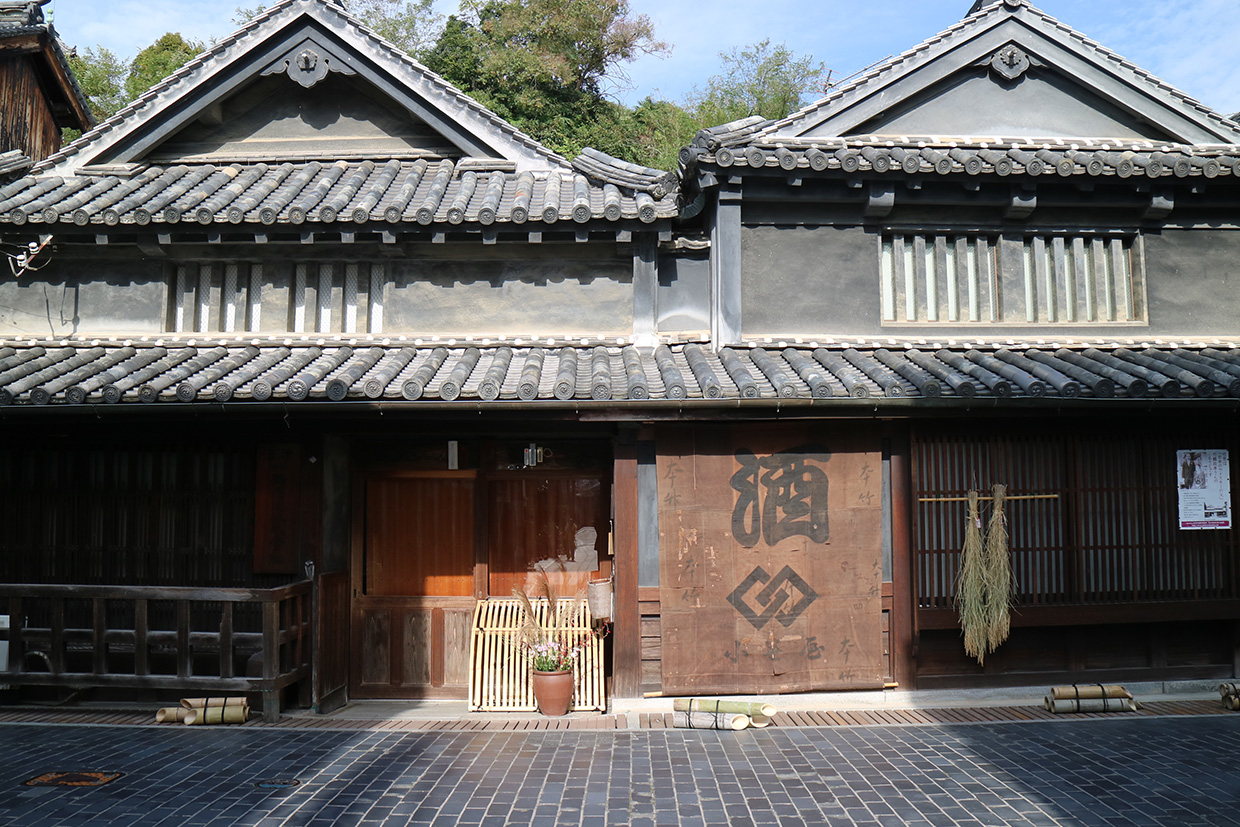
(998, 573)
(971, 600)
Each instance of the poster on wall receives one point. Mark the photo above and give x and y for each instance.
(770, 560)
(1204, 482)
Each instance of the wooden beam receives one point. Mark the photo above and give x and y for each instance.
(903, 611)
(626, 649)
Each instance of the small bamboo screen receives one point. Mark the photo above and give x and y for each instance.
(499, 679)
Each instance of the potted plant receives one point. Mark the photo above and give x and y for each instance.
(551, 643)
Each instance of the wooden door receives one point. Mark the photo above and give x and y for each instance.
(414, 555)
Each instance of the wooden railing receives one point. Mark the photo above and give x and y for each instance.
(162, 638)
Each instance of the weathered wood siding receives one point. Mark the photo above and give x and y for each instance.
(26, 121)
(1102, 549)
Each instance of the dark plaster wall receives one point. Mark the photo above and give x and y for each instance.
(1194, 282)
(1040, 104)
(808, 280)
(75, 296)
(683, 299)
(510, 297)
(824, 281)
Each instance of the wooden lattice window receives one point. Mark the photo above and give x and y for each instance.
(937, 277)
(1109, 532)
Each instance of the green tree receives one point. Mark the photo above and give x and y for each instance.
(157, 61)
(412, 26)
(766, 80)
(101, 76)
(546, 65)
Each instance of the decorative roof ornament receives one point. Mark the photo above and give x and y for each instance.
(1010, 62)
(308, 63)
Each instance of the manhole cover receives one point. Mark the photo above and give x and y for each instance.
(276, 783)
(73, 779)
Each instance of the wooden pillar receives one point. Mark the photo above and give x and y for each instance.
(903, 610)
(725, 259)
(626, 643)
(645, 288)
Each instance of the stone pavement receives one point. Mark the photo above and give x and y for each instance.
(1096, 772)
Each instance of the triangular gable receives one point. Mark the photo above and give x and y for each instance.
(359, 97)
(1009, 71)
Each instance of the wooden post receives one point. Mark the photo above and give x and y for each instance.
(100, 645)
(226, 640)
(57, 655)
(185, 666)
(271, 660)
(903, 609)
(17, 628)
(141, 661)
(626, 646)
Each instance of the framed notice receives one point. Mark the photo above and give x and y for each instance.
(1204, 482)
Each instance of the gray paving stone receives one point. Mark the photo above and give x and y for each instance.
(1095, 773)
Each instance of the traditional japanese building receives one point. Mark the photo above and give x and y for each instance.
(40, 94)
(308, 334)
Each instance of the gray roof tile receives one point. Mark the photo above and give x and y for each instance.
(89, 373)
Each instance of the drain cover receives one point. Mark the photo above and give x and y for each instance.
(73, 779)
(276, 783)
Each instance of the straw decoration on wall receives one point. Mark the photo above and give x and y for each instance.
(971, 585)
(984, 586)
(998, 572)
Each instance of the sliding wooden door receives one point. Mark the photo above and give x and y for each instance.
(414, 555)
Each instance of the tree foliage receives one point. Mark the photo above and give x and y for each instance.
(157, 61)
(412, 26)
(549, 67)
(101, 76)
(546, 65)
(766, 80)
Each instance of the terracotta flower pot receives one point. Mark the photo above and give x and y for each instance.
(553, 691)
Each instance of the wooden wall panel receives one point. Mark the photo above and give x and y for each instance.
(771, 559)
(26, 120)
(532, 526)
(420, 536)
(331, 662)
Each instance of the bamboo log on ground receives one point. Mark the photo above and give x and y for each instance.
(199, 716)
(750, 708)
(1065, 705)
(710, 720)
(1089, 691)
(171, 715)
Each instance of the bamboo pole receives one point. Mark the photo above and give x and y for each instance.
(750, 708)
(710, 720)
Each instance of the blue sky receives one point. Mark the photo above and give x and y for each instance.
(1191, 44)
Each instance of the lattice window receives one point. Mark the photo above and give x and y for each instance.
(300, 297)
(1036, 278)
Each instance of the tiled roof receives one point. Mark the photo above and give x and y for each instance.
(414, 74)
(425, 192)
(25, 17)
(912, 154)
(871, 78)
(194, 372)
